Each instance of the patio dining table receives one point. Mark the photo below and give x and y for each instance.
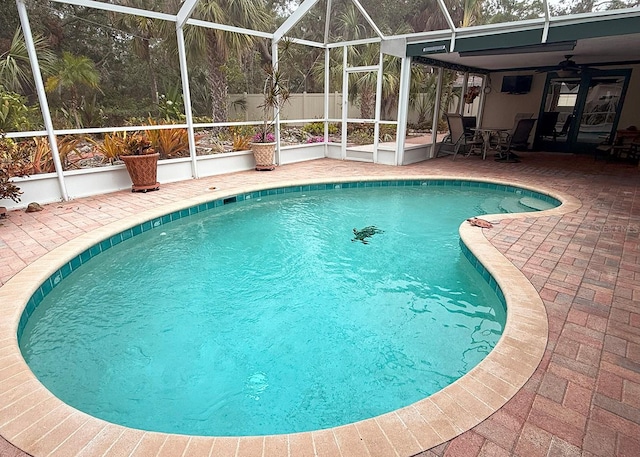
(486, 133)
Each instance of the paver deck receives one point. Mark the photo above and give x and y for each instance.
(582, 399)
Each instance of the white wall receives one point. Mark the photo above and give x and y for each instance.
(45, 188)
(500, 108)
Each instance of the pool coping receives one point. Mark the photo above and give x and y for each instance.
(34, 420)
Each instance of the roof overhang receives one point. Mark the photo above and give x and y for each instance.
(594, 39)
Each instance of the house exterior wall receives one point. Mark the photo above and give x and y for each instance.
(501, 108)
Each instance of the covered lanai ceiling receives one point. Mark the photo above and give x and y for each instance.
(604, 38)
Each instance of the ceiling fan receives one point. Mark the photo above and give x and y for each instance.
(566, 66)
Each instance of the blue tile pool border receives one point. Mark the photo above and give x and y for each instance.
(488, 277)
(85, 256)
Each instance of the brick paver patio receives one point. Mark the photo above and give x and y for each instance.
(584, 397)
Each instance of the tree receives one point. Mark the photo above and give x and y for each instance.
(498, 11)
(464, 13)
(587, 6)
(216, 45)
(143, 31)
(362, 86)
(15, 67)
(73, 75)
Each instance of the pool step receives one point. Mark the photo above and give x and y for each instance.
(511, 205)
(536, 204)
(490, 206)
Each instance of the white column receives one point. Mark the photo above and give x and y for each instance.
(345, 103)
(326, 98)
(376, 126)
(42, 96)
(276, 113)
(483, 95)
(186, 97)
(403, 108)
(436, 115)
(465, 83)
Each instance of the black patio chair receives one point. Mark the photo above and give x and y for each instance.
(547, 125)
(519, 139)
(469, 123)
(566, 125)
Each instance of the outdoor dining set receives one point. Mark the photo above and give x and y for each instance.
(465, 138)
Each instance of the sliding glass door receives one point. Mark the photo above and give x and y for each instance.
(580, 111)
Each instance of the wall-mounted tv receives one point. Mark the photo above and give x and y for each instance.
(520, 84)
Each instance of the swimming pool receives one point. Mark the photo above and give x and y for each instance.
(255, 381)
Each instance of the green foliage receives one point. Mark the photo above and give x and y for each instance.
(12, 164)
(171, 105)
(14, 113)
(202, 119)
(87, 114)
(317, 128)
(276, 95)
(15, 68)
(363, 133)
(70, 72)
(314, 128)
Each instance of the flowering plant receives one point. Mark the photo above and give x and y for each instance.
(276, 94)
(315, 139)
(267, 137)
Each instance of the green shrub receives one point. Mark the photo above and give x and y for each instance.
(12, 163)
(314, 128)
(317, 128)
(14, 113)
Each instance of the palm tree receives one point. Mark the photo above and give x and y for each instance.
(362, 86)
(15, 68)
(464, 13)
(71, 74)
(215, 46)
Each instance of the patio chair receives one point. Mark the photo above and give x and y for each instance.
(469, 123)
(566, 125)
(517, 118)
(519, 139)
(547, 125)
(624, 147)
(458, 139)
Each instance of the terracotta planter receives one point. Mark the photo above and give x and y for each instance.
(264, 153)
(143, 171)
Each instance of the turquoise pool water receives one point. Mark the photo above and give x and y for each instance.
(264, 317)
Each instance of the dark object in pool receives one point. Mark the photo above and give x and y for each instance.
(362, 235)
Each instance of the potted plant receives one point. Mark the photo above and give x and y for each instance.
(141, 162)
(12, 164)
(275, 95)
